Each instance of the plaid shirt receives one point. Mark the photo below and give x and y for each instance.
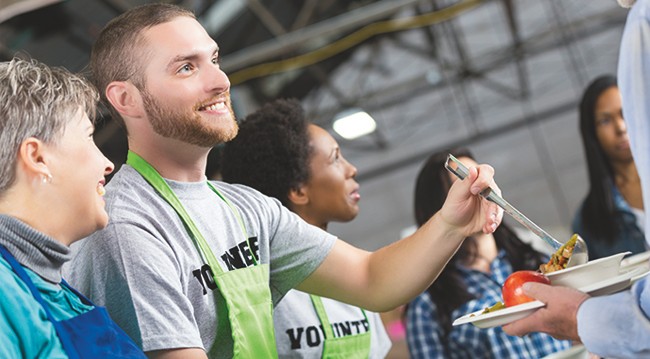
(426, 338)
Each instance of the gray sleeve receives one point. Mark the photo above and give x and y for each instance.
(136, 277)
(296, 247)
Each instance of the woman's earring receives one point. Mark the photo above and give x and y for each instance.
(47, 178)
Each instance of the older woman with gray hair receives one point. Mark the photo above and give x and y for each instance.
(51, 188)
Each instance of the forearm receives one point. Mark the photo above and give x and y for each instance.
(404, 269)
(395, 274)
(392, 275)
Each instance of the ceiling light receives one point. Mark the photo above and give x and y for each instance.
(354, 123)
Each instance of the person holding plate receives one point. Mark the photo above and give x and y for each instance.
(616, 325)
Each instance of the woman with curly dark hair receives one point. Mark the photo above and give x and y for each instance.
(611, 217)
(279, 153)
(471, 281)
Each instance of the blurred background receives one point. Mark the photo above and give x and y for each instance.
(502, 77)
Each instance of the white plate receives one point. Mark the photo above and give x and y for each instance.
(613, 285)
(588, 273)
(499, 317)
(637, 260)
(643, 272)
(507, 315)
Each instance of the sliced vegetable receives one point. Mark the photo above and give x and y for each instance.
(560, 258)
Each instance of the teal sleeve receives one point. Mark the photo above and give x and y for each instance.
(26, 331)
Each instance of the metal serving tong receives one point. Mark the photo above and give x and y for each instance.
(579, 255)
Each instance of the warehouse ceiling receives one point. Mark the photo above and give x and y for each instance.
(502, 77)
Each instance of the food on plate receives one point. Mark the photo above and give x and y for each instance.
(494, 308)
(560, 258)
(512, 291)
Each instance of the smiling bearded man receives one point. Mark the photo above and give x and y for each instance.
(190, 126)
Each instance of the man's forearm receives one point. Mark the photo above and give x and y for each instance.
(390, 276)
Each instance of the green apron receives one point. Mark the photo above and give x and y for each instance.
(246, 291)
(348, 347)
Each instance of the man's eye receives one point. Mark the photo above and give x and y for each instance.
(185, 68)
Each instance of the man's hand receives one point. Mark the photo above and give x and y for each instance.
(466, 210)
(557, 318)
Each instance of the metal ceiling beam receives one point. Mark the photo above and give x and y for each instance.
(509, 127)
(534, 45)
(465, 71)
(566, 34)
(430, 34)
(217, 16)
(331, 27)
(306, 12)
(277, 29)
(522, 73)
(11, 8)
(267, 18)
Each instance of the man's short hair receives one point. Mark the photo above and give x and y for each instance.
(118, 55)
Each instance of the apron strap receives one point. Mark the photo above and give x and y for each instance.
(82, 297)
(265, 323)
(235, 212)
(158, 183)
(322, 315)
(162, 187)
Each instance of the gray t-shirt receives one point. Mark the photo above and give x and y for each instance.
(145, 269)
(299, 333)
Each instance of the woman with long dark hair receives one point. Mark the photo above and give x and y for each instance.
(611, 216)
(471, 281)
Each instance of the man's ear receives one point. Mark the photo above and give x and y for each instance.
(125, 97)
(298, 197)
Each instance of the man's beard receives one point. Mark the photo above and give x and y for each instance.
(187, 126)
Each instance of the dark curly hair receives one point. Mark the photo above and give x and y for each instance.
(271, 152)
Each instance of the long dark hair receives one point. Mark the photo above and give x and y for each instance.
(449, 292)
(598, 214)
